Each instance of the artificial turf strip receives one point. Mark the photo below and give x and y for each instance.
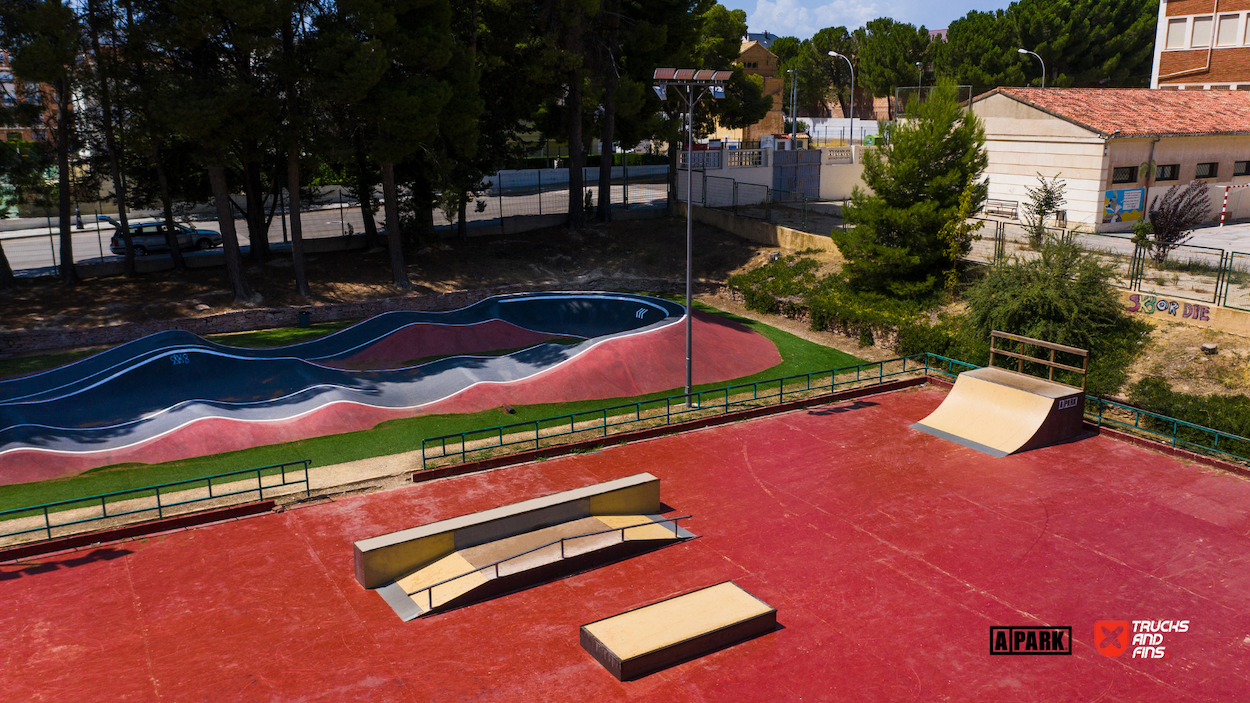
(394, 436)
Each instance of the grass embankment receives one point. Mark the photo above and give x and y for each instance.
(392, 437)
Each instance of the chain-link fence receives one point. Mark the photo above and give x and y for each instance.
(1185, 271)
(780, 207)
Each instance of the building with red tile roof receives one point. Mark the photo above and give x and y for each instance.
(1116, 148)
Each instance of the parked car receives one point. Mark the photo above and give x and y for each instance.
(149, 238)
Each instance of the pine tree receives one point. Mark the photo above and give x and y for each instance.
(916, 184)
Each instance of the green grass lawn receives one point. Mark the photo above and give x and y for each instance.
(394, 436)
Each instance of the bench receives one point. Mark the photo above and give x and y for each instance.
(1002, 208)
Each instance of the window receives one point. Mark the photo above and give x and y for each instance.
(1241, 168)
(1207, 170)
(17, 137)
(1176, 34)
(1226, 35)
(1168, 172)
(1201, 37)
(1124, 174)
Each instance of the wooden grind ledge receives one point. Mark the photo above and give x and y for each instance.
(642, 641)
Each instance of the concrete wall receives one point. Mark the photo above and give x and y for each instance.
(1228, 320)
(383, 559)
(758, 230)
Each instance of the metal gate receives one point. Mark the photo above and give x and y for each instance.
(797, 172)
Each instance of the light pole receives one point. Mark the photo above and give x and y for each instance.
(794, 112)
(707, 82)
(1039, 60)
(848, 64)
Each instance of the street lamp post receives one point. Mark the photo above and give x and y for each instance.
(794, 112)
(1039, 60)
(707, 82)
(848, 64)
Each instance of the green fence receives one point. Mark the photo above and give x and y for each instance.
(1178, 433)
(467, 446)
(462, 447)
(165, 497)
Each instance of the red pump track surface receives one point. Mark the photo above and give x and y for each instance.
(619, 367)
(888, 554)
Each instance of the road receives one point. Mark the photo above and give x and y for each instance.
(35, 251)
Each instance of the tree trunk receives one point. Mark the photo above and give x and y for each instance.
(399, 274)
(6, 272)
(167, 203)
(364, 188)
(462, 225)
(68, 274)
(577, 158)
(229, 238)
(110, 143)
(673, 147)
(297, 232)
(257, 231)
(607, 153)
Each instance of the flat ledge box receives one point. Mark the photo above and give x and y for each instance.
(642, 641)
(383, 559)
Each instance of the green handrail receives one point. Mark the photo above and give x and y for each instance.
(47, 509)
(675, 407)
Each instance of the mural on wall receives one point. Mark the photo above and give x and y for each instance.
(1148, 304)
(1128, 205)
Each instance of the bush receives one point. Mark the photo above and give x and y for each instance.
(787, 277)
(1227, 413)
(1063, 296)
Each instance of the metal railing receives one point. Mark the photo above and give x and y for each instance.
(429, 590)
(526, 436)
(1178, 433)
(554, 431)
(200, 488)
(743, 158)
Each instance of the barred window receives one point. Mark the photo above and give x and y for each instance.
(1207, 170)
(1168, 172)
(1241, 168)
(1124, 174)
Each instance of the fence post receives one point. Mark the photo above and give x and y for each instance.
(625, 184)
(703, 195)
(735, 197)
(540, 192)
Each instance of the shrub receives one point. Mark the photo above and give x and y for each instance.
(1227, 413)
(1174, 217)
(1063, 296)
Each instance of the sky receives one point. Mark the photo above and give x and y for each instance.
(803, 18)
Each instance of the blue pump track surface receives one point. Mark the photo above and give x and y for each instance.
(153, 386)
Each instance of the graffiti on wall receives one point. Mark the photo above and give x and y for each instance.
(1149, 304)
(1126, 205)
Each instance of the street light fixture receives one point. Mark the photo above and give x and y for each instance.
(707, 82)
(1039, 59)
(848, 64)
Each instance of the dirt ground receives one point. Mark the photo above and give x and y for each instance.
(636, 248)
(631, 249)
(1174, 352)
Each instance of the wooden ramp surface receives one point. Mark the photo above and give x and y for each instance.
(1001, 412)
(464, 571)
(639, 642)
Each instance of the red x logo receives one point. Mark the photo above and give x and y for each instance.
(1111, 637)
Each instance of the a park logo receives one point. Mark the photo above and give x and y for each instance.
(1030, 640)
(1111, 637)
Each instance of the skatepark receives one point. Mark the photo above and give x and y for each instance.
(858, 540)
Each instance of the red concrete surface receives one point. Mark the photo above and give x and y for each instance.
(423, 340)
(887, 552)
(624, 366)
